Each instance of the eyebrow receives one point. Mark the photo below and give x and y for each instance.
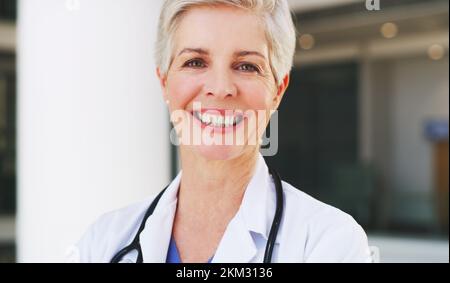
(194, 50)
(247, 53)
(236, 54)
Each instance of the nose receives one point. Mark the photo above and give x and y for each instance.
(220, 83)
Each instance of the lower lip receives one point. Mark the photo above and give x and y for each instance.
(218, 129)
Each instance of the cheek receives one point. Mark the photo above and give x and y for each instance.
(258, 98)
(257, 95)
(181, 90)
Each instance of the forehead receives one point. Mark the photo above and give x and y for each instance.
(221, 29)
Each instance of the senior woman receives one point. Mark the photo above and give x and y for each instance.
(224, 67)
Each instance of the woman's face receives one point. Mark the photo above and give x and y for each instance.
(219, 78)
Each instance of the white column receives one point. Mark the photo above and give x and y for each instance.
(92, 124)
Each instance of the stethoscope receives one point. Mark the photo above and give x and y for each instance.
(136, 245)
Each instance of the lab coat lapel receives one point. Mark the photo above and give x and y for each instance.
(155, 237)
(237, 243)
(253, 218)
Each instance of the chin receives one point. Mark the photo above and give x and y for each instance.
(219, 152)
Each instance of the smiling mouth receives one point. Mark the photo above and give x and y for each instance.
(218, 121)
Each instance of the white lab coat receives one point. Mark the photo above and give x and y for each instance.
(310, 230)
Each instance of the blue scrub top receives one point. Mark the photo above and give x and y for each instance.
(173, 256)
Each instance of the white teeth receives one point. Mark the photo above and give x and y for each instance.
(228, 121)
(206, 119)
(218, 120)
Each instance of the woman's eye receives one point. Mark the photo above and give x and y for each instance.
(248, 68)
(195, 63)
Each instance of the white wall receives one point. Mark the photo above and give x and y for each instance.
(92, 125)
(410, 250)
(406, 93)
(420, 92)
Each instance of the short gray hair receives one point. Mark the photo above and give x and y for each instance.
(280, 30)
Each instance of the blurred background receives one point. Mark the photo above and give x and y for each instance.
(84, 130)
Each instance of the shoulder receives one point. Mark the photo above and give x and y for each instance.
(330, 234)
(109, 232)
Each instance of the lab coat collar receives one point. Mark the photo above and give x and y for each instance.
(155, 237)
(259, 201)
(254, 215)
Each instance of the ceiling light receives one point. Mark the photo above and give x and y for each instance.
(436, 52)
(389, 30)
(306, 41)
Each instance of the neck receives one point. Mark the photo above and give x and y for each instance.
(207, 184)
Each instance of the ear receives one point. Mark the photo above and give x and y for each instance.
(162, 81)
(280, 91)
